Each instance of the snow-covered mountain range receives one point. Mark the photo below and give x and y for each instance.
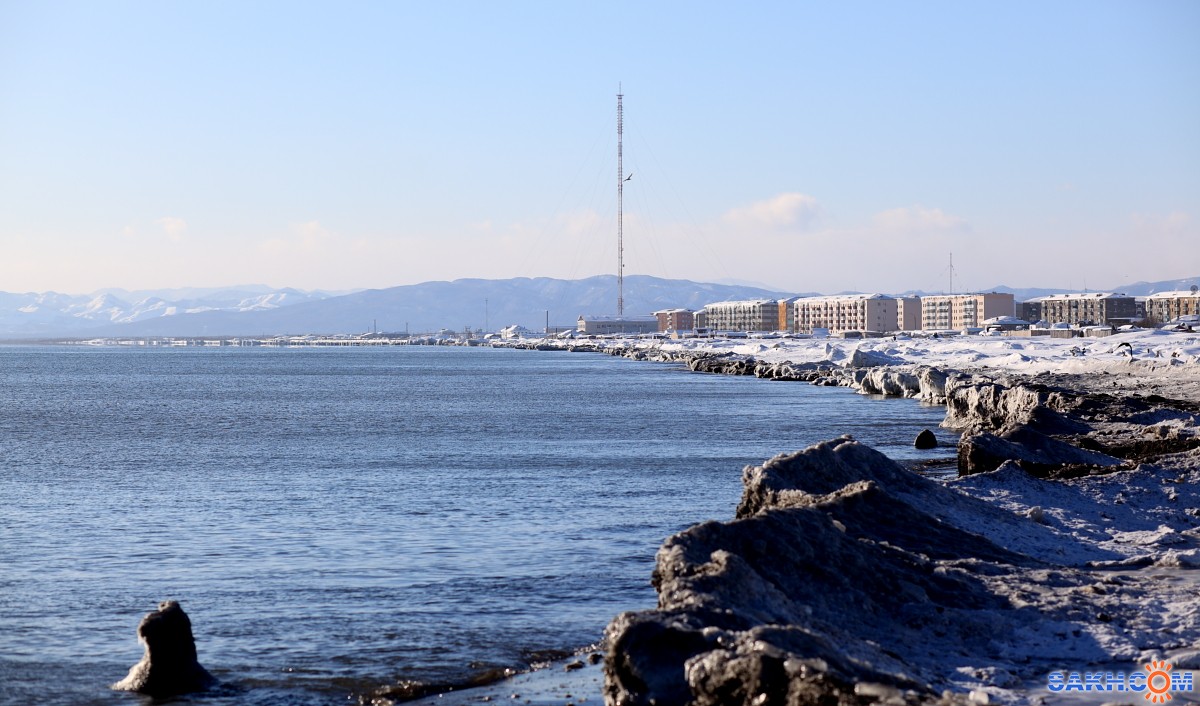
(476, 303)
(36, 314)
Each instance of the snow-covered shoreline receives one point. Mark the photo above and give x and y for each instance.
(1163, 360)
(1080, 553)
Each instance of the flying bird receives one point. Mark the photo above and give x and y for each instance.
(629, 177)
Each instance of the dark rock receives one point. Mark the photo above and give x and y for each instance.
(926, 440)
(1035, 453)
(722, 364)
(574, 665)
(169, 666)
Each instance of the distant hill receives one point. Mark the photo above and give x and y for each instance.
(1141, 289)
(50, 314)
(430, 306)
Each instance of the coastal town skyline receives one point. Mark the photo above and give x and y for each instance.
(796, 148)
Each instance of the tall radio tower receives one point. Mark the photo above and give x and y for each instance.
(620, 209)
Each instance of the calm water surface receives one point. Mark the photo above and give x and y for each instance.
(337, 520)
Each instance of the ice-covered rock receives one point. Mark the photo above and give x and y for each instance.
(864, 358)
(846, 579)
(895, 383)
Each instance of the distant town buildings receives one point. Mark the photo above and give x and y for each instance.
(960, 311)
(879, 313)
(1091, 308)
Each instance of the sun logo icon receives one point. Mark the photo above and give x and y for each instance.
(1158, 681)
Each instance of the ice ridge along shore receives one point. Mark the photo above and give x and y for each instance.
(1069, 542)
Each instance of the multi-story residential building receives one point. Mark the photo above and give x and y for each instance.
(908, 313)
(787, 314)
(959, 311)
(1030, 311)
(848, 312)
(1164, 307)
(608, 325)
(745, 315)
(1089, 308)
(676, 319)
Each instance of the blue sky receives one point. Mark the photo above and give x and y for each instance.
(808, 147)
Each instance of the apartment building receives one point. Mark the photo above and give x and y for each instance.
(787, 314)
(1164, 307)
(959, 311)
(1030, 311)
(745, 315)
(908, 313)
(848, 312)
(1091, 308)
(676, 319)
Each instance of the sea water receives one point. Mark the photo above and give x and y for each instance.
(336, 520)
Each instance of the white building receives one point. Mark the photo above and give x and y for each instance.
(846, 312)
(908, 313)
(516, 331)
(613, 325)
(745, 315)
(959, 311)
(1165, 307)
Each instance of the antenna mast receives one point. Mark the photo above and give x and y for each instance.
(952, 272)
(620, 209)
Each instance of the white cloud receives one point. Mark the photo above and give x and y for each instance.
(782, 211)
(1172, 223)
(173, 227)
(918, 218)
(306, 238)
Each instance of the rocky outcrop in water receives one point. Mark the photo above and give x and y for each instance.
(169, 666)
